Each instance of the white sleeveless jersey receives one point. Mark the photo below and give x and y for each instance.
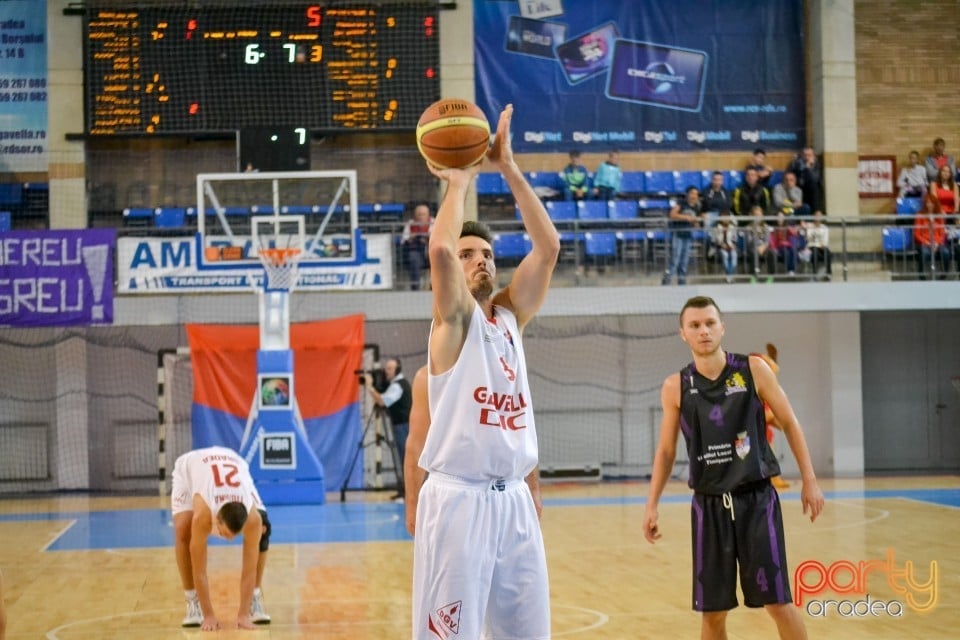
(481, 412)
(218, 475)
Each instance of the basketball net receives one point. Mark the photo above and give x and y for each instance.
(281, 266)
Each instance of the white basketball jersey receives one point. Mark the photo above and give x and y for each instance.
(220, 475)
(481, 412)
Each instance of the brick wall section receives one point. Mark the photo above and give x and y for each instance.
(908, 80)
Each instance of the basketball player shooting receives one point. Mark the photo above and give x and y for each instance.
(717, 401)
(479, 562)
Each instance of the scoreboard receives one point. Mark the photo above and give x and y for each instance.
(155, 68)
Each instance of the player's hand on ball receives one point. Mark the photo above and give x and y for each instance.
(651, 530)
(455, 176)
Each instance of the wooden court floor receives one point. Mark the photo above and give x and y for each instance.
(606, 581)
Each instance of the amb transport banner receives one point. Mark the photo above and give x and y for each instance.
(23, 85)
(643, 75)
(169, 265)
(56, 278)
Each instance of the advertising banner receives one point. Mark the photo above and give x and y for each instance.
(56, 278)
(680, 75)
(23, 85)
(169, 265)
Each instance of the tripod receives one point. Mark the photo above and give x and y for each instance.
(382, 431)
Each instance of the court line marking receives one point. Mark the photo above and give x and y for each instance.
(602, 619)
(59, 535)
(884, 514)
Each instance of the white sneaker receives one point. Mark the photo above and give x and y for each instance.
(194, 616)
(257, 613)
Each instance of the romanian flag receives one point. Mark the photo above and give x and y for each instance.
(325, 356)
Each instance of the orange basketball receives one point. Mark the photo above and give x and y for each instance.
(453, 134)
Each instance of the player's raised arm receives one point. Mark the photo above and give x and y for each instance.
(665, 456)
(772, 393)
(531, 279)
(452, 301)
(413, 474)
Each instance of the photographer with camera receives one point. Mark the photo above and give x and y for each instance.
(396, 399)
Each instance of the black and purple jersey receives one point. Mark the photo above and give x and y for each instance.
(724, 427)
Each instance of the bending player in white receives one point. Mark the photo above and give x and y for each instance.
(479, 561)
(204, 480)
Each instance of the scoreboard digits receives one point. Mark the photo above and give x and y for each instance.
(335, 66)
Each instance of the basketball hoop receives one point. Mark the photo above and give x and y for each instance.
(281, 266)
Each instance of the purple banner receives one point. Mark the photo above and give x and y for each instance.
(56, 278)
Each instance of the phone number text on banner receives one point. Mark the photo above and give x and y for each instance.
(56, 278)
(169, 265)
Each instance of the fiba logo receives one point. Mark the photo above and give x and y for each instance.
(660, 76)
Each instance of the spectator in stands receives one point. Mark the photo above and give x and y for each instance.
(757, 242)
(576, 179)
(682, 220)
(724, 237)
(714, 202)
(416, 235)
(938, 158)
(606, 181)
(783, 246)
(943, 189)
(759, 163)
(809, 174)
(818, 244)
(716, 199)
(913, 178)
(788, 197)
(930, 235)
(750, 194)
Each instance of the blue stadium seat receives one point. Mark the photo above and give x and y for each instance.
(600, 244)
(5, 221)
(655, 204)
(236, 211)
(511, 246)
(299, 209)
(592, 209)
(545, 179)
(622, 209)
(138, 216)
(11, 193)
(732, 179)
(388, 211)
(169, 217)
(705, 178)
(658, 182)
(262, 209)
(909, 206)
(491, 185)
(684, 179)
(632, 183)
(564, 210)
(776, 177)
(897, 239)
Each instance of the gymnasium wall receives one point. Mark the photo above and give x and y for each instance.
(908, 80)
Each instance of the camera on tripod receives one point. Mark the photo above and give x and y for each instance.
(379, 377)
